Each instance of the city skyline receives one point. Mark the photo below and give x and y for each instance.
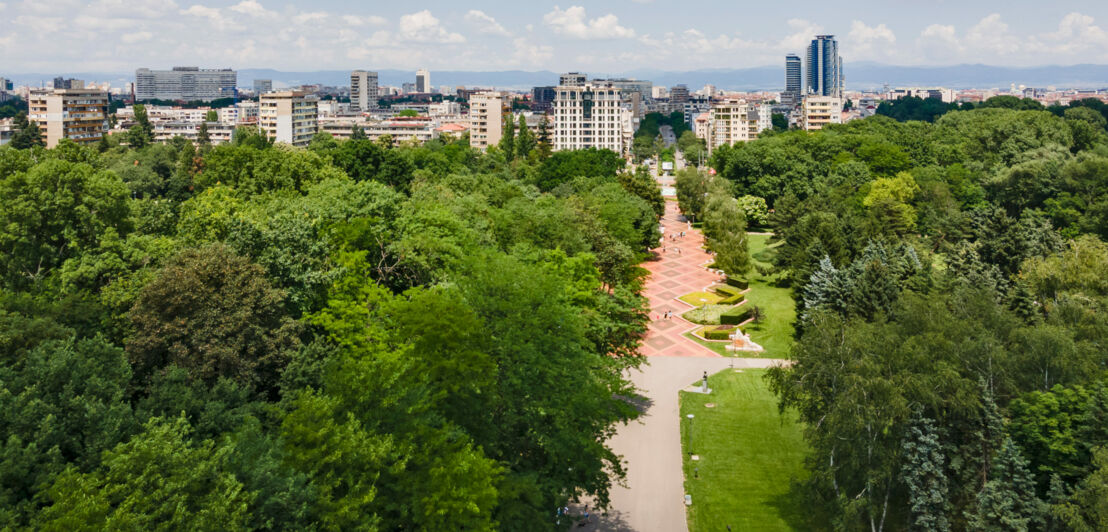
(110, 35)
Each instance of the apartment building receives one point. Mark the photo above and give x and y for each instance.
(572, 79)
(363, 90)
(185, 83)
(591, 116)
(731, 121)
(486, 117)
(702, 127)
(289, 116)
(80, 115)
(218, 132)
(818, 111)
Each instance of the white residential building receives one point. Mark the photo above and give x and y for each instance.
(363, 90)
(735, 120)
(184, 83)
(289, 116)
(591, 116)
(938, 93)
(486, 117)
(818, 111)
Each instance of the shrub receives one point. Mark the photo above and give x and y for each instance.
(736, 315)
(719, 333)
(725, 290)
(737, 282)
(733, 300)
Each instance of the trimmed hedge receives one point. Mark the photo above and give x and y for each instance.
(733, 300)
(737, 282)
(725, 290)
(736, 315)
(717, 335)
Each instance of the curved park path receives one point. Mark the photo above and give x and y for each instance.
(653, 497)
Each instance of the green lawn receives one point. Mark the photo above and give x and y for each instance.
(697, 299)
(775, 331)
(749, 456)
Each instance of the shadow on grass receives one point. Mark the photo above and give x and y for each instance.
(796, 510)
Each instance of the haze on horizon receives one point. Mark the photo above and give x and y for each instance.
(120, 35)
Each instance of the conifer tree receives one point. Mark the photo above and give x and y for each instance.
(525, 140)
(925, 477)
(508, 137)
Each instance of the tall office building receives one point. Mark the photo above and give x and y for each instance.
(591, 116)
(363, 90)
(825, 67)
(289, 116)
(486, 117)
(80, 115)
(794, 80)
(5, 84)
(185, 83)
(422, 81)
(572, 79)
(262, 86)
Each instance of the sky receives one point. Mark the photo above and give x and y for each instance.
(613, 36)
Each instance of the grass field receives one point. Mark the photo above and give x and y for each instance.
(749, 456)
(697, 299)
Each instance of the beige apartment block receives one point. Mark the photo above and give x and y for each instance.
(818, 111)
(290, 117)
(590, 116)
(80, 115)
(486, 117)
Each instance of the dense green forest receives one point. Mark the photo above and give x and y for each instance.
(951, 284)
(930, 109)
(352, 336)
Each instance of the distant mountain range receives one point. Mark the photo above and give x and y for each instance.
(858, 76)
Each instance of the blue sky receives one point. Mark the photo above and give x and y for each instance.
(593, 36)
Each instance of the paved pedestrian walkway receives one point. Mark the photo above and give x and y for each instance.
(678, 269)
(652, 498)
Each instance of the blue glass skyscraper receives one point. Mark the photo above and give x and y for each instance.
(825, 67)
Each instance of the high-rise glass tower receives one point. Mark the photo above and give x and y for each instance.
(793, 80)
(825, 67)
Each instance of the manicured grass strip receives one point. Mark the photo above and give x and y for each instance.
(749, 455)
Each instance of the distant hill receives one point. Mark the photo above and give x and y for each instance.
(858, 76)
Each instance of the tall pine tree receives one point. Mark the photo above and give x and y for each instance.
(1008, 501)
(925, 477)
(525, 140)
(508, 137)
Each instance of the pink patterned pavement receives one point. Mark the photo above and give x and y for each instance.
(674, 274)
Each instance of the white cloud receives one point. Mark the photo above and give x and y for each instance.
(572, 23)
(425, 28)
(486, 24)
(1077, 33)
(372, 20)
(991, 35)
(527, 53)
(139, 36)
(252, 8)
(869, 42)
